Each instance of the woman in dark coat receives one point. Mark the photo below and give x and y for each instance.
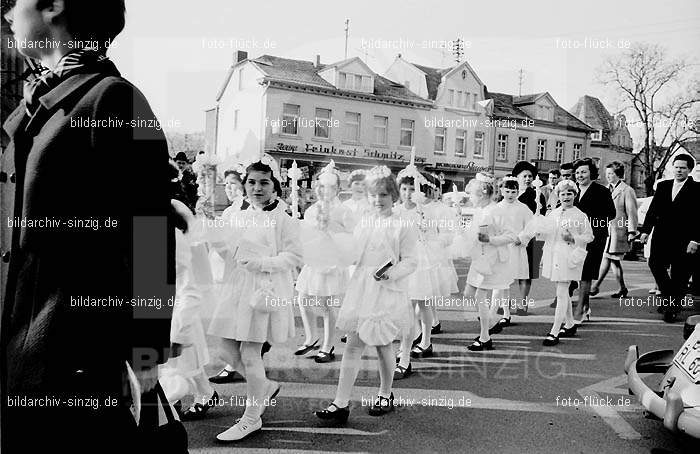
(525, 173)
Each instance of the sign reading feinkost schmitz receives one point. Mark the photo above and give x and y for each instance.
(354, 152)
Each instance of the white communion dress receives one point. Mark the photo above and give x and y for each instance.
(516, 216)
(380, 311)
(441, 223)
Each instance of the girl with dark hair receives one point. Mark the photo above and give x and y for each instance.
(376, 309)
(258, 307)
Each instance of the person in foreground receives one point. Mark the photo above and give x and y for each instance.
(376, 309)
(64, 334)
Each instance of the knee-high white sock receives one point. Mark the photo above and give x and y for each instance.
(349, 367)
(426, 317)
(306, 320)
(328, 326)
(201, 388)
(484, 314)
(231, 354)
(562, 302)
(256, 381)
(386, 369)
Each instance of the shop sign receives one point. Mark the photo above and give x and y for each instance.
(354, 152)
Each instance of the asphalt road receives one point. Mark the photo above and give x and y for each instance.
(520, 398)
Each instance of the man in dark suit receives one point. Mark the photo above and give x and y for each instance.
(596, 202)
(87, 253)
(676, 236)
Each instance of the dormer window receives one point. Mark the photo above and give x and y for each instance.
(544, 113)
(356, 82)
(598, 135)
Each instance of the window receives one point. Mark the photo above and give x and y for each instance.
(380, 130)
(473, 106)
(541, 148)
(342, 80)
(522, 148)
(352, 126)
(478, 144)
(235, 119)
(322, 125)
(559, 151)
(459, 99)
(577, 151)
(240, 79)
(451, 97)
(358, 82)
(367, 84)
(290, 119)
(460, 142)
(598, 135)
(544, 113)
(406, 139)
(502, 147)
(440, 140)
(465, 99)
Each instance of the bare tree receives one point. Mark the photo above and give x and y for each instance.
(655, 89)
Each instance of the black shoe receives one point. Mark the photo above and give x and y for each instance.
(670, 316)
(568, 332)
(478, 345)
(592, 292)
(265, 348)
(325, 357)
(198, 410)
(521, 311)
(382, 406)
(304, 349)
(437, 329)
(417, 340)
(550, 340)
(402, 372)
(572, 287)
(553, 304)
(622, 293)
(505, 321)
(226, 376)
(337, 415)
(495, 329)
(420, 352)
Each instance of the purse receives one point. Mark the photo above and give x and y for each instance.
(170, 437)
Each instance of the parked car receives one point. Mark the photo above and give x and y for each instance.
(676, 400)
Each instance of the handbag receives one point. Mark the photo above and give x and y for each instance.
(170, 437)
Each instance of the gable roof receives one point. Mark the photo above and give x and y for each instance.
(505, 106)
(433, 77)
(592, 111)
(302, 73)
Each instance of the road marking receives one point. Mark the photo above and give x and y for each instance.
(609, 414)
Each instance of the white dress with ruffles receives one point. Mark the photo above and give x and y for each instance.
(234, 316)
(380, 311)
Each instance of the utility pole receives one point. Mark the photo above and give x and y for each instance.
(520, 82)
(458, 50)
(347, 28)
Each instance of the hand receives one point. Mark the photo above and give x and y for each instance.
(483, 237)
(517, 242)
(631, 236)
(147, 378)
(692, 247)
(567, 236)
(643, 238)
(252, 265)
(383, 277)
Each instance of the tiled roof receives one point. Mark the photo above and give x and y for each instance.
(433, 77)
(591, 111)
(305, 73)
(526, 99)
(504, 106)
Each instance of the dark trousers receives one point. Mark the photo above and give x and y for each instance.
(672, 285)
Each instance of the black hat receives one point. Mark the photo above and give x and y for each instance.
(181, 156)
(521, 166)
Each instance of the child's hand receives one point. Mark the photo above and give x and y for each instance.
(254, 265)
(567, 236)
(517, 242)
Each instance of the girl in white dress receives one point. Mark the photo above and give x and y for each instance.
(259, 305)
(566, 231)
(487, 238)
(184, 374)
(516, 215)
(376, 309)
(321, 285)
(424, 285)
(358, 203)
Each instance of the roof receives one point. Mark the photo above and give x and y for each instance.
(592, 111)
(527, 99)
(506, 106)
(433, 77)
(304, 73)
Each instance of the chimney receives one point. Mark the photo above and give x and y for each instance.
(239, 56)
(318, 61)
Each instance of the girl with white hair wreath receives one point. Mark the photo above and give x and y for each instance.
(566, 231)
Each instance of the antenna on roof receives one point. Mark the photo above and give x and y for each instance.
(520, 82)
(458, 49)
(347, 28)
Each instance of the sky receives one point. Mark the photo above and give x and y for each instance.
(177, 52)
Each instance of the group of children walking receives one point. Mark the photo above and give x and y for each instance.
(371, 267)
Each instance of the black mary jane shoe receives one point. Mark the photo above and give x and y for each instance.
(325, 357)
(382, 406)
(593, 292)
(437, 329)
(505, 321)
(304, 349)
(226, 376)
(420, 352)
(198, 410)
(266, 346)
(568, 332)
(402, 372)
(337, 415)
(550, 340)
(521, 311)
(622, 293)
(479, 345)
(417, 340)
(495, 329)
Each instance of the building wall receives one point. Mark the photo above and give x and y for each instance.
(405, 73)
(605, 155)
